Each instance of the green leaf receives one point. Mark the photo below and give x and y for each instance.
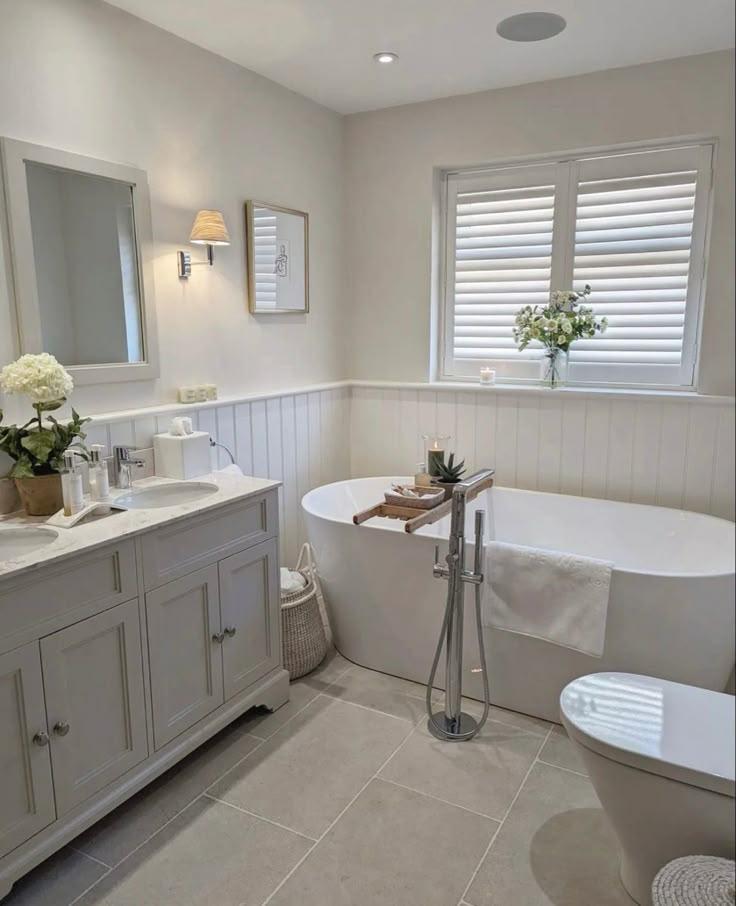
(22, 469)
(39, 444)
(50, 406)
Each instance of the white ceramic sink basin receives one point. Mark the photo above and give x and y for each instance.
(174, 493)
(18, 540)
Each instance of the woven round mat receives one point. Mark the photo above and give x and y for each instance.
(696, 881)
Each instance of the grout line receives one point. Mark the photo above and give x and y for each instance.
(88, 856)
(245, 811)
(463, 808)
(344, 701)
(503, 821)
(329, 828)
(549, 764)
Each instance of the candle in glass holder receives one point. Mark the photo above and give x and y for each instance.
(435, 455)
(487, 376)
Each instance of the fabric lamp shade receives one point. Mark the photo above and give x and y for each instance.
(209, 229)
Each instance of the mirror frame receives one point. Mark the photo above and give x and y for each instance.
(14, 156)
(250, 255)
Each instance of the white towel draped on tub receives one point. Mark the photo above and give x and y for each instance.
(558, 597)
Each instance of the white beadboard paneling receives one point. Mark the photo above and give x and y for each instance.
(550, 445)
(701, 457)
(447, 416)
(506, 441)
(314, 439)
(465, 422)
(723, 494)
(301, 426)
(259, 437)
(289, 526)
(647, 447)
(243, 442)
(485, 431)
(596, 446)
(410, 442)
(527, 438)
(573, 446)
(96, 434)
(121, 434)
(224, 434)
(673, 447)
(143, 430)
(620, 451)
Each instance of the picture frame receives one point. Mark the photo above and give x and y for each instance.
(277, 259)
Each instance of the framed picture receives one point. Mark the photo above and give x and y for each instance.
(277, 250)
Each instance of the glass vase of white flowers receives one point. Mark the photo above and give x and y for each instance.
(556, 326)
(37, 447)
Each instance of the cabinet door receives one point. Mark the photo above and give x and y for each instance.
(185, 652)
(249, 604)
(26, 790)
(95, 704)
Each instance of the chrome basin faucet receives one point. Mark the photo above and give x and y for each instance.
(123, 465)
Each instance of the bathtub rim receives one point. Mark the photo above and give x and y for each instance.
(308, 507)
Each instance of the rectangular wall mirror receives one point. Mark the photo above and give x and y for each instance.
(80, 241)
(277, 247)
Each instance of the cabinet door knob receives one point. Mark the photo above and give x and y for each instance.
(41, 738)
(218, 637)
(230, 631)
(61, 728)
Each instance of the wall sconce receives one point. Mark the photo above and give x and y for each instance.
(208, 229)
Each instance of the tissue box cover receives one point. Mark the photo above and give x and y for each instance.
(182, 457)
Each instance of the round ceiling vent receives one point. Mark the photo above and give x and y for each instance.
(531, 26)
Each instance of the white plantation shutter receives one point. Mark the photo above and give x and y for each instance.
(630, 224)
(634, 243)
(500, 259)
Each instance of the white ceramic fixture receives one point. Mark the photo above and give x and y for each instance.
(671, 609)
(661, 758)
(175, 493)
(17, 541)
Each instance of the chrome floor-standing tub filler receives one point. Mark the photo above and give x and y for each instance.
(452, 723)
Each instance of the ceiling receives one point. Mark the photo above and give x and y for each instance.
(324, 48)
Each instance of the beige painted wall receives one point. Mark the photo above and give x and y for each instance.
(85, 77)
(390, 156)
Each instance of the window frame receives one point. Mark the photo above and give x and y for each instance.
(565, 168)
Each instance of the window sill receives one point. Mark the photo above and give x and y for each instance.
(570, 391)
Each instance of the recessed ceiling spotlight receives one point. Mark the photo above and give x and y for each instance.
(385, 57)
(531, 26)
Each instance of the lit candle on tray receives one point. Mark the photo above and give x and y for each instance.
(435, 455)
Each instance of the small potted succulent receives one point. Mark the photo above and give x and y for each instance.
(448, 474)
(38, 446)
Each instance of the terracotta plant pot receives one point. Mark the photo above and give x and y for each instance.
(40, 495)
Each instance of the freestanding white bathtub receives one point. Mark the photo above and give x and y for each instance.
(671, 611)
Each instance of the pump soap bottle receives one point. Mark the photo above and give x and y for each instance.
(71, 485)
(99, 481)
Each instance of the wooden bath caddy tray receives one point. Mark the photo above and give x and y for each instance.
(412, 518)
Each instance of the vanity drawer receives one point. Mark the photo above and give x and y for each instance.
(50, 598)
(176, 550)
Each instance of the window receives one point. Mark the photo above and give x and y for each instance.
(631, 224)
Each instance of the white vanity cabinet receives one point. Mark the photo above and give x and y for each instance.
(95, 705)
(117, 662)
(26, 790)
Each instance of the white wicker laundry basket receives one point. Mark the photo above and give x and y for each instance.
(696, 881)
(302, 632)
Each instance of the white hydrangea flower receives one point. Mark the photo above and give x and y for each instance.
(39, 377)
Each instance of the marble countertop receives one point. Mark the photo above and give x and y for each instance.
(100, 530)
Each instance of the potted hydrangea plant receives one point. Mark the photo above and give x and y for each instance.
(38, 446)
(556, 326)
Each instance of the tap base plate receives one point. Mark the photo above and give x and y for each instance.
(452, 731)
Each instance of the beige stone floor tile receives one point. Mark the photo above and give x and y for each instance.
(133, 822)
(555, 848)
(559, 751)
(57, 881)
(381, 692)
(307, 772)
(483, 774)
(384, 852)
(211, 855)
